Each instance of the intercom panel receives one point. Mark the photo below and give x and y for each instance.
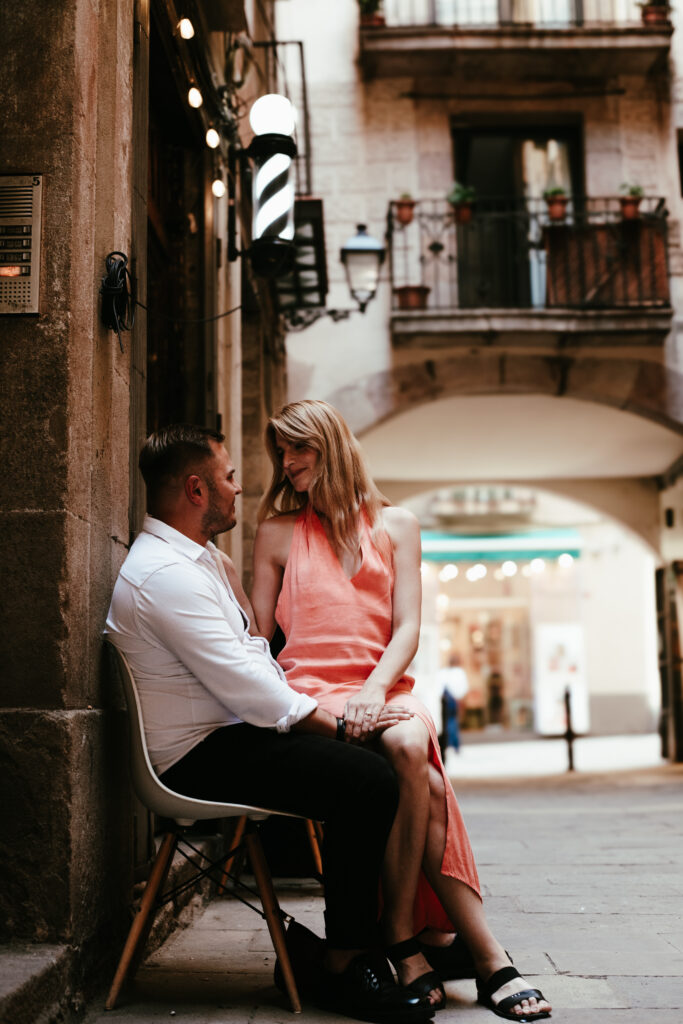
(20, 215)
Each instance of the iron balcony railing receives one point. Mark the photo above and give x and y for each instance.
(545, 14)
(503, 254)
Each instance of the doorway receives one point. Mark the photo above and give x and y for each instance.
(179, 356)
(501, 262)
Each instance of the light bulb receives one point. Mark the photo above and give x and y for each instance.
(194, 97)
(218, 187)
(186, 28)
(272, 114)
(213, 139)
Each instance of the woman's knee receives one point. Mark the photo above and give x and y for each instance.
(407, 749)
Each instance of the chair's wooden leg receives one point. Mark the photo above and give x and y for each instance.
(315, 849)
(318, 826)
(236, 840)
(144, 918)
(271, 909)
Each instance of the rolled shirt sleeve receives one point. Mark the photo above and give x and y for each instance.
(236, 669)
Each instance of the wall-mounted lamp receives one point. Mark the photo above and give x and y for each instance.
(362, 257)
(272, 150)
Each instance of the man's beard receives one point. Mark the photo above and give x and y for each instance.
(215, 520)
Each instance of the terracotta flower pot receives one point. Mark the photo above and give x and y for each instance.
(412, 296)
(655, 14)
(403, 210)
(462, 212)
(630, 207)
(372, 20)
(557, 207)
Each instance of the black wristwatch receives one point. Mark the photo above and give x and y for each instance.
(341, 729)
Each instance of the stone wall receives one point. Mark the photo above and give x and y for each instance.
(64, 495)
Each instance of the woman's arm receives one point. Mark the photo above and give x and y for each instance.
(404, 534)
(271, 550)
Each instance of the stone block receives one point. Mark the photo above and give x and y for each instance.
(33, 559)
(63, 799)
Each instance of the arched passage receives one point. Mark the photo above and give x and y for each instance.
(638, 386)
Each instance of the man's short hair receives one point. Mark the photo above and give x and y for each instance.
(171, 452)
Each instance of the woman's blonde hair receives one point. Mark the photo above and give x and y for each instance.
(342, 487)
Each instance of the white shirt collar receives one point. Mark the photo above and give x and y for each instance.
(179, 541)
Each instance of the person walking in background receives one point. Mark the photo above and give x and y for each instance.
(452, 679)
(338, 569)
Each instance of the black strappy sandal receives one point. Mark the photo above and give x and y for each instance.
(426, 982)
(487, 989)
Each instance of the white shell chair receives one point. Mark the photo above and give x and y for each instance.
(185, 811)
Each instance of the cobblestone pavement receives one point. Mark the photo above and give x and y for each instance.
(583, 882)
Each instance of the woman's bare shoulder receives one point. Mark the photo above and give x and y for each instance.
(396, 518)
(282, 523)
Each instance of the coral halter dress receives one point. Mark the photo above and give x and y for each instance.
(337, 629)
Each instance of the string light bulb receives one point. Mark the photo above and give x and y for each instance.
(186, 28)
(213, 139)
(194, 97)
(218, 185)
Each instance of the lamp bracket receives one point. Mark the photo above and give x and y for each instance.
(300, 319)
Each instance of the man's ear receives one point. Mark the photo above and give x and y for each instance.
(194, 489)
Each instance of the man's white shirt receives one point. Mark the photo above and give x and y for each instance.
(197, 668)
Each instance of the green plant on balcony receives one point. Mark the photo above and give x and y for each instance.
(630, 200)
(461, 198)
(556, 199)
(403, 208)
(370, 12)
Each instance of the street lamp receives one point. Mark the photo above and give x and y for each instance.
(362, 257)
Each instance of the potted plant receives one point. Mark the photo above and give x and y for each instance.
(403, 208)
(630, 201)
(412, 296)
(370, 15)
(461, 198)
(655, 12)
(556, 199)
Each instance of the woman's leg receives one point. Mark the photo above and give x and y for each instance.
(407, 747)
(463, 905)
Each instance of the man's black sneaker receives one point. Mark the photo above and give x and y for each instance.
(367, 991)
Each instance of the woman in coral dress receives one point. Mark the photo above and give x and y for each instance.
(339, 570)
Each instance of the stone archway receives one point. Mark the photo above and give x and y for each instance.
(647, 389)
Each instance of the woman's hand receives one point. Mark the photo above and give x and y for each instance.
(367, 714)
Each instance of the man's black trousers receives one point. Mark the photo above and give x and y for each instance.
(351, 789)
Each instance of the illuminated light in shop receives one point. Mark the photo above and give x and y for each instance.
(509, 568)
(218, 186)
(194, 97)
(565, 560)
(186, 28)
(442, 602)
(449, 572)
(537, 565)
(424, 568)
(213, 139)
(476, 572)
(445, 644)
(477, 637)
(498, 574)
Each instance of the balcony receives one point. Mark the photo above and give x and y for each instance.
(503, 272)
(471, 40)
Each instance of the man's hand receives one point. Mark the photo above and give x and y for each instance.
(368, 718)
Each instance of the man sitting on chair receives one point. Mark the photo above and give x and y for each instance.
(222, 724)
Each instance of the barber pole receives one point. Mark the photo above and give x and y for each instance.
(272, 151)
